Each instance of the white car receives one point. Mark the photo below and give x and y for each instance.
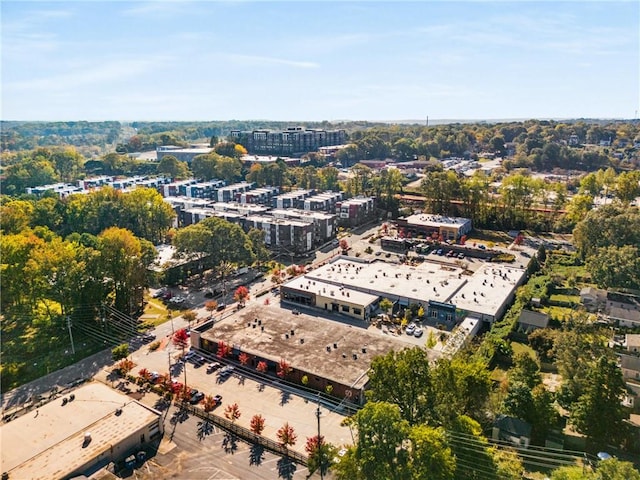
(410, 328)
(418, 332)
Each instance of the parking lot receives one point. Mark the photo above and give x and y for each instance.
(195, 450)
(275, 402)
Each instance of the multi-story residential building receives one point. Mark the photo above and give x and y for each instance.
(202, 189)
(293, 140)
(294, 199)
(262, 195)
(355, 211)
(324, 202)
(94, 182)
(324, 224)
(230, 192)
(175, 189)
(183, 154)
(61, 189)
(283, 235)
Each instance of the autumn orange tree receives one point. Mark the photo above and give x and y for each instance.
(286, 435)
(257, 424)
(223, 349)
(211, 306)
(244, 358)
(319, 453)
(124, 366)
(232, 412)
(241, 295)
(262, 366)
(283, 368)
(209, 403)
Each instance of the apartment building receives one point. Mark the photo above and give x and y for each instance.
(324, 224)
(355, 211)
(293, 140)
(284, 235)
(230, 192)
(324, 202)
(294, 199)
(261, 196)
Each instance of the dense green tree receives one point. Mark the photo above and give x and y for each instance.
(204, 167)
(614, 469)
(430, 455)
(615, 267)
(68, 163)
(403, 378)
(627, 186)
(610, 225)
(215, 240)
(440, 188)
(576, 349)
(474, 459)
(380, 452)
(15, 216)
(461, 386)
(173, 168)
(598, 412)
(228, 168)
(258, 247)
(124, 267)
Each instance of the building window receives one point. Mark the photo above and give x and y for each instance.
(434, 314)
(357, 311)
(345, 308)
(449, 317)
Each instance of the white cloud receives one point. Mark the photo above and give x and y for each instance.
(261, 61)
(88, 74)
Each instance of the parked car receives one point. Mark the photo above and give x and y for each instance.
(197, 398)
(418, 332)
(460, 255)
(295, 312)
(221, 307)
(217, 399)
(213, 366)
(439, 251)
(410, 328)
(378, 253)
(226, 371)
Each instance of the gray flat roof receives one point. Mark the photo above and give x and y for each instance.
(47, 443)
(312, 355)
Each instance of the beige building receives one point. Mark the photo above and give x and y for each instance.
(329, 297)
(76, 434)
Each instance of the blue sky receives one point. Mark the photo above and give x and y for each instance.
(303, 60)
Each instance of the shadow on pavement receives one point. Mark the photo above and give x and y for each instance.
(256, 454)
(205, 428)
(286, 468)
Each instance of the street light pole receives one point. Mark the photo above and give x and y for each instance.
(318, 413)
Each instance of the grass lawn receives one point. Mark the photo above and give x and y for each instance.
(522, 348)
(565, 298)
(483, 236)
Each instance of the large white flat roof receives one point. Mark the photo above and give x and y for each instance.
(324, 289)
(427, 281)
(47, 442)
(429, 220)
(488, 288)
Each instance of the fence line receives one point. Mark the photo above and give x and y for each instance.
(245, 433)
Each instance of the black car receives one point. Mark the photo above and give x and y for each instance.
(221, 307)
(196, 398)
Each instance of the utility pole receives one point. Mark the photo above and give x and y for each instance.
(73, 348)
(318, 413)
